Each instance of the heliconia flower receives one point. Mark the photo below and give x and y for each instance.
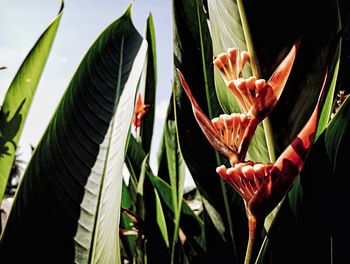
(264, 186)
(256, 97)
(231, 64)
(246, 178)
(226, 133)
(140, 111)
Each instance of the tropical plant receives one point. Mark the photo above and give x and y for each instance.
(258, 116)
(77, 167)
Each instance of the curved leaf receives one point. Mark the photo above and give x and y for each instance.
(69, 198)
(19, 97)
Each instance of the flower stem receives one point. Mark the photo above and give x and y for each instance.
(255, 228)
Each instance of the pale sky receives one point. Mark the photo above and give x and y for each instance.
(21, 24)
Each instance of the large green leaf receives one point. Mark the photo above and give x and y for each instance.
(19, 97)
(69, 198)
(193, 56)
(146, 131)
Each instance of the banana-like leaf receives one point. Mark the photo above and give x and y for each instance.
(69, 198)
(146, 131)
(19, 97)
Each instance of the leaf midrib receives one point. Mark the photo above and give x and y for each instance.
(98, 207)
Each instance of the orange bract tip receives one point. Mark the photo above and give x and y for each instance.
(140, 111)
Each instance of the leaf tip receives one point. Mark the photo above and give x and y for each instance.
(128, 11)
(61, 7)
(150, 17)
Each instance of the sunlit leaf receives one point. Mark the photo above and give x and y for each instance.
(19, 97)
(70, 195)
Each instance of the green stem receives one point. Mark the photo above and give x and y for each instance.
(176, 235)
(210, 112)
(255, 228)
(254, 64)
(269, 139)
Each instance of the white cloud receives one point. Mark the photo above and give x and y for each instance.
(63, 59)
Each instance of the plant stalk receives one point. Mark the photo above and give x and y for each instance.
(255, 226)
